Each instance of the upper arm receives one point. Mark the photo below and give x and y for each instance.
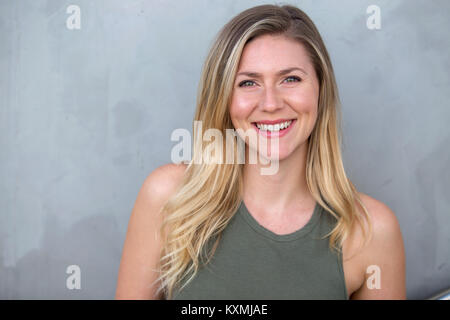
(141, 250)
(384, 256)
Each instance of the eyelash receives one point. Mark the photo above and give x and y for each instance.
(245, 81)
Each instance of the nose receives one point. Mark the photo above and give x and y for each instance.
(271, 99)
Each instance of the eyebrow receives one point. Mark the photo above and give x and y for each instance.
(279, 73)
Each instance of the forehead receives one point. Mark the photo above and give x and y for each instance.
(273, 52)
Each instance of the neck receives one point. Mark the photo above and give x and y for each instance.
(284, 189)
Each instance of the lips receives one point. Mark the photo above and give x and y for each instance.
(274, 128)
(273, 121)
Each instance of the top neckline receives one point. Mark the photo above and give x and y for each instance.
(254, 224)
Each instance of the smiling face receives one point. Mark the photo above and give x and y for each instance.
(276, 92)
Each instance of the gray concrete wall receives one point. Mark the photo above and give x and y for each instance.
(86, 115)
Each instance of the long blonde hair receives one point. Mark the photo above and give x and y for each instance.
(210, 193)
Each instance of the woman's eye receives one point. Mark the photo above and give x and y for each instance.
(293, 78)
(250, 83)
(243, 83)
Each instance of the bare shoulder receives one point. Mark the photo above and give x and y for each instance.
(384, 228)
(138, 271)
(383, 252)
(162, 182)
(384, 220)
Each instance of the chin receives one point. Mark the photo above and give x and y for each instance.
(274, 156)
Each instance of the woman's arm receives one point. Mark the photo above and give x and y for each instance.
(140, 255)
(384, 256)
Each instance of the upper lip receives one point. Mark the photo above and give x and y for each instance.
(273, 121)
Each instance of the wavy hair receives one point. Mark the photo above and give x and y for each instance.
(210, 193)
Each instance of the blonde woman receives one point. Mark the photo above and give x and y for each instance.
(211, 230)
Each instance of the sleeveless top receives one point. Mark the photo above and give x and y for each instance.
(254, 263)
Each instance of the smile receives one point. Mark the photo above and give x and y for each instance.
(273, 127)
(277, 128)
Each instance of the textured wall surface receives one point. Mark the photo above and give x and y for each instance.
(86, 115)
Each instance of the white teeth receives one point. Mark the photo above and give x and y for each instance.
(275, 127)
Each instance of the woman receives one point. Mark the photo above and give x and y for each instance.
(226, 231)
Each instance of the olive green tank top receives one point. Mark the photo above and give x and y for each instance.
(252, 262)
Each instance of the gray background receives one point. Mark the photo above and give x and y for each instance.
(86, 115)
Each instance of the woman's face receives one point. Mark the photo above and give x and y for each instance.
(275, 83)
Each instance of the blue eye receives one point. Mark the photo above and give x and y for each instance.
(293, 77)
(244, 82)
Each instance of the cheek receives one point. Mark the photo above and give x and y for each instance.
(305, 102)
(240, 108)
